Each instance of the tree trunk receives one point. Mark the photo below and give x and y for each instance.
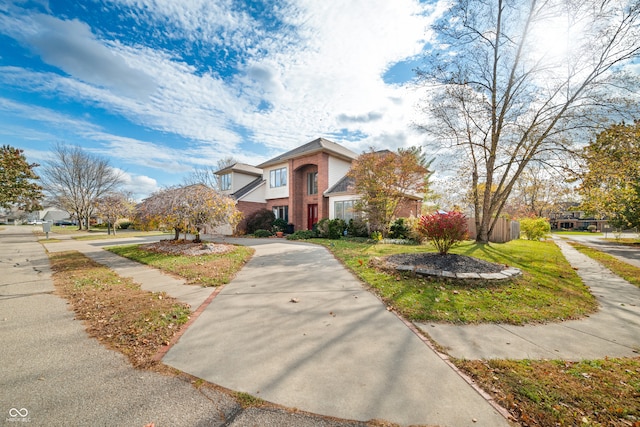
(176, 231)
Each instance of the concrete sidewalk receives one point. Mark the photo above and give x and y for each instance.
(149, 279)
(53, 374)
(613, 331)
(296, 328)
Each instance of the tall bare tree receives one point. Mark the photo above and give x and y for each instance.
(207, 176)
(75, 179)
(501, 99)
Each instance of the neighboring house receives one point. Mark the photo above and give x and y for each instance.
(573, 219)
(302, 186)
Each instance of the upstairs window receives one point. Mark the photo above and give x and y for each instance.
(312, 183)
(225, 182)
(278, 178)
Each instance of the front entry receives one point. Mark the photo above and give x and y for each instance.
(312, 216)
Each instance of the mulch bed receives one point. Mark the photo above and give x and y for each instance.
(450, 262)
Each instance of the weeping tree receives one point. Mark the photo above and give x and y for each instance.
(509, 82)
(113, 207)
(187, 209)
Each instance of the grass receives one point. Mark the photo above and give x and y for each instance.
(115, 309)
(627, 241)
(549, 289)
(121, 234)
(563, 393)
(628, 272)
(576, 233)
(204, 270)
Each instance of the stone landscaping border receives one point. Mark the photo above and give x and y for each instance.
(505, 274)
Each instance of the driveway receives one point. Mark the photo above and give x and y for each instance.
(296, 328)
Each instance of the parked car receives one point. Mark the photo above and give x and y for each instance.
(63, 222)
(35, 222)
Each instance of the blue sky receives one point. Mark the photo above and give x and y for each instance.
(161, 87)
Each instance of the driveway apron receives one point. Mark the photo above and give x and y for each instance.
(296, 328)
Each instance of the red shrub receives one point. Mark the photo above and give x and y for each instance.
(444, 229)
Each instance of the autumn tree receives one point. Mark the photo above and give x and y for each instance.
(75, 179)
(17, 181)
(112, 207)
(499, 98)
(188, 209)
(383, 179)
(538, 192)
(610, 184)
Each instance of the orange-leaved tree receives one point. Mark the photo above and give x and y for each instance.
(383, 179)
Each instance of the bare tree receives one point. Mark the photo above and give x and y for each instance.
(207, 176)
(75, 179)
(501, 100)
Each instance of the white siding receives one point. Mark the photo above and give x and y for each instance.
(239, 180)
(256, 195)
(277, 192)
(338, 168)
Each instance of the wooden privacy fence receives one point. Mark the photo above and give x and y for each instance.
(504, 230)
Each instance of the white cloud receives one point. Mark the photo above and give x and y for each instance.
(320, 77)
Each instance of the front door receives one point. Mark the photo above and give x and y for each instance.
(312, 216)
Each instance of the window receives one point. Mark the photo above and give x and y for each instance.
(345, 210)
(312, 183)
(281, 212)
(278, 178)
(225, 182)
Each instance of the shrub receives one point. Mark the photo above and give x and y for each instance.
(259, 220)
(331, 228)
(279, 225)
(376, 235)
(444, 230)
(592, 228)
(535, 228)
(399, 229)
(124, 224)
(301, 235)
(262, 233)
(357, 228)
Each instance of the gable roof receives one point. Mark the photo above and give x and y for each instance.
(248, 188)
(343, 186)
(317, 145)
(242, 168)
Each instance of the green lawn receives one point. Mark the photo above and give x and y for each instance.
(204, 270)
(102, 235)
(576, 233)
(549, 290)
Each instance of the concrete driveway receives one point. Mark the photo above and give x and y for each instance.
(296, 328)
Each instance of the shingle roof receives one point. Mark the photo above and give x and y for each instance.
(248, 188)
(343, 186)
(241, 167)
(316, 145)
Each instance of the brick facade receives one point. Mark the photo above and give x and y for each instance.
(247, 209)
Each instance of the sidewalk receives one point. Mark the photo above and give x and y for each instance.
(613, 331)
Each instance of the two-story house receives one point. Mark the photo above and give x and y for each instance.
(301, 186)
